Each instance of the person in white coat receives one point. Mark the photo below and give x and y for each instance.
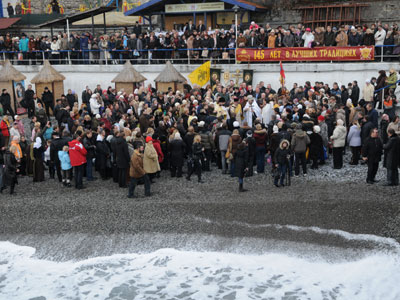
(368, 91)
(379, 36)
(308, 38)
(267, 112)
(338, 141)
(94, 105)
(251, 110)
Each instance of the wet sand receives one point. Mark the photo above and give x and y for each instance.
(42, 213)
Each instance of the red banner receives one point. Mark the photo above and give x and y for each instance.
(305, 54)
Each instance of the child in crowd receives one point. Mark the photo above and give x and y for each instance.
(65, 166)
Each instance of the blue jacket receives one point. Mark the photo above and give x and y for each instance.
(84, 43)
(64, 159)
(24, 45)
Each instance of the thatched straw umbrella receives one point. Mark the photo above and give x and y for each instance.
(51, 78)
(169, 78)
(128, 78)
(13, 80)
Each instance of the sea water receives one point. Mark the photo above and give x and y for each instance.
(175, 274)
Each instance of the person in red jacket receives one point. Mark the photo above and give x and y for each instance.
(157, 146)
(77, 155)
(4, 126)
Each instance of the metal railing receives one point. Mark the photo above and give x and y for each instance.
(148, 56)
(110, 56)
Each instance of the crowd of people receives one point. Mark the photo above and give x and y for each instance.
(194, 43)
(241, 130)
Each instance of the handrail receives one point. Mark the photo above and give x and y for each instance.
(385, 87)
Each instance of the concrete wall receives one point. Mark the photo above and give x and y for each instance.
(77, 77)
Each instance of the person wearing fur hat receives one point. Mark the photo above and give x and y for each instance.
(251, 145)
(281, 159)
(316, 147)
(261, 137)
(338, 140)
(150, 159)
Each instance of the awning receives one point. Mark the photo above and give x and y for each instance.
(7, 22)
(158, 5)
(78, 16)
(113, 18)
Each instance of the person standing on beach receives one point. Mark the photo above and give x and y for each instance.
(77, 155)
(137, 172)
(371, 153)
(392, 157)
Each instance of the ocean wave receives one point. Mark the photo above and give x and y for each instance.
(317, 230)
(173, 274)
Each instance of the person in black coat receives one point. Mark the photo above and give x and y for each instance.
(197, 158)
(57, 144)
(355, 93)
(329, 37)
(316, 147)
(241, 158)
(372, 152)
(122, 158)
(366, 129)
(10, 171)
(102, 154)
(177, 153)
(30, 104)
(2, 153)
(251, 145)
(5, 101)
(48, 100)
(392, 158)
(89, 142)
(38, 167)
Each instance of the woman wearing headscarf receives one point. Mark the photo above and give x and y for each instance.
(38, 167)
(338, 140)
(150, 159)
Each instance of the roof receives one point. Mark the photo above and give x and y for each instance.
(152, 4)
(9, 73)
(7, 22)
(113, 18)
(170, 74)
(47, 74)
(129, 74)
(78, 16)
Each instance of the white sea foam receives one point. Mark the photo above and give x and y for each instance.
(173, 274)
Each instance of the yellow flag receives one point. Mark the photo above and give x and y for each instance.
(201, 75)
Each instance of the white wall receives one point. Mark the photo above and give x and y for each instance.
(77, 77)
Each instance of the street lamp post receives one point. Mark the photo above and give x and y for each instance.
(236, 9)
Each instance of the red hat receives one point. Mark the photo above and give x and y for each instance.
(149, 139)
(321, 118)
(308, 29)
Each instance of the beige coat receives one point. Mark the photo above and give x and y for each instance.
(368, 92)
(395, 127)
(150, 159)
